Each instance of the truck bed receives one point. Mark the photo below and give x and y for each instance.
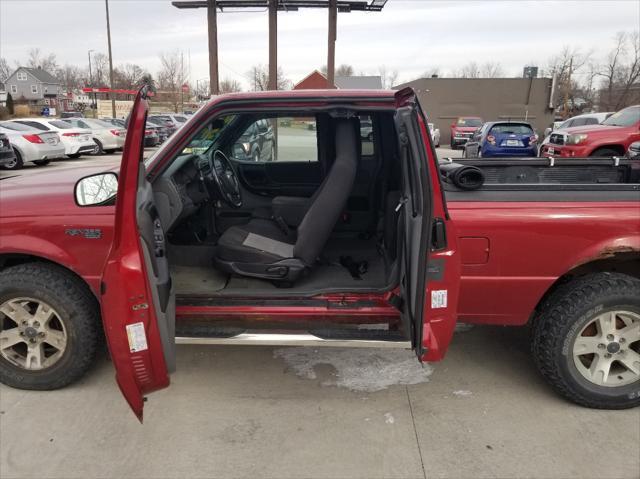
(532, 224)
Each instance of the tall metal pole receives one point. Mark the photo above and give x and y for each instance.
(212, 24)
(113, 100)
(91, 80)
(331, 47)
(273, 44)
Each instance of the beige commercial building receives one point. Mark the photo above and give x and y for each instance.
(492, 99)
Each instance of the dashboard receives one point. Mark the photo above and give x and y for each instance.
(179, 192)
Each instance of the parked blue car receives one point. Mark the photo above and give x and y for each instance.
(502, 139)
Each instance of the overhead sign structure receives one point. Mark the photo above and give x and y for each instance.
(334, 6)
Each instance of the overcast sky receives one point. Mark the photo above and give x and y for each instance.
(410, 36)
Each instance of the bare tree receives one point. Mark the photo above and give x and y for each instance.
(170, 77)
(71, 77)
(129, 76)
(47, 62)
(564, 66)
(5, 70)
(491, 70)
(621, 71)
(470, 70)
(344, 70)
(258, 76)
(100, 70)
(388, 77)
(229, 85)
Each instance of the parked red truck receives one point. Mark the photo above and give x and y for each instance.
(612, 137)
(462, 129)
(331, 242)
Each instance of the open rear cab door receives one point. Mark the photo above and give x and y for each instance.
(138, 302)
(430, 276)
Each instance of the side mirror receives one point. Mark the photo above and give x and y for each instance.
(453, 125)
(96, 190)
(547, 131)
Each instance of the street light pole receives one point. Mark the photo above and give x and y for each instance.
(91, 80)
(113, 100)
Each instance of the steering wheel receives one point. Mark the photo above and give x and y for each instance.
(226, 179)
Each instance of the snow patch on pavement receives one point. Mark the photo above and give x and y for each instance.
(365, 370)
(462, 393)
(388, 418)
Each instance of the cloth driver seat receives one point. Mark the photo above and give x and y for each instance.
(266, 248)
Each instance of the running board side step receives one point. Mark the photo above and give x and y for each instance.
(275, 339)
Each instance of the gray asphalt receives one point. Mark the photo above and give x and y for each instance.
(243, 412)
(236, 412)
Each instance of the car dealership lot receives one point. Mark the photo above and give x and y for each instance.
(245, 412)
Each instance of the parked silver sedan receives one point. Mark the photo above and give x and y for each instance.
(107, 137)
(76, 141)
(31, 145)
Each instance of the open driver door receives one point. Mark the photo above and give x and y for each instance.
(430, 278)
(138, 302)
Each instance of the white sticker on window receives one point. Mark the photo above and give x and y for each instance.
(439, 299)
(137, 337)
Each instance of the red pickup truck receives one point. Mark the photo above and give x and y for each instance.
(610, 138)
(334, 240)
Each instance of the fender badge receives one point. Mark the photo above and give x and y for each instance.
(88, 233)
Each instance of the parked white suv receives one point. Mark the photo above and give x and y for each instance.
(31, 145)
(107, 137)
(76, 141)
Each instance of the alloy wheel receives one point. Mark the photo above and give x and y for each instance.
(607, 350)
(32, 335)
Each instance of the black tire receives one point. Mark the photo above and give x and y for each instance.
(560, 320)
(98, 150)
(17, 164)
(606, 152)
(41, 162)
(74, 155)
(77, 309)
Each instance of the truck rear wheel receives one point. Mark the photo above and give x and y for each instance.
(49, 327)
(586, 341)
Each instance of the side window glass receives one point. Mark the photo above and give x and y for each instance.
(366, 135)
(278, 139)
(591, 121)
(579, 122)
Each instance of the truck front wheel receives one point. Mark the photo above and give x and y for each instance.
(49, 327)
(586, 341)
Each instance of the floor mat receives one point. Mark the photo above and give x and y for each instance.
(197, 279)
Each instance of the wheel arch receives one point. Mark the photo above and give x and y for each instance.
(615, 146)
(625, 260)
(8, 260)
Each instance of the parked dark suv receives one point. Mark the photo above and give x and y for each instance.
(257, 143)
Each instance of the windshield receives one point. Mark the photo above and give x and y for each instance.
(201, 142)
(627, 117)
(15, 126)
(469, 122)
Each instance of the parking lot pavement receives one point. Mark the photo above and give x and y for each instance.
(107, 160)
(445, 152)
(263, 412)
